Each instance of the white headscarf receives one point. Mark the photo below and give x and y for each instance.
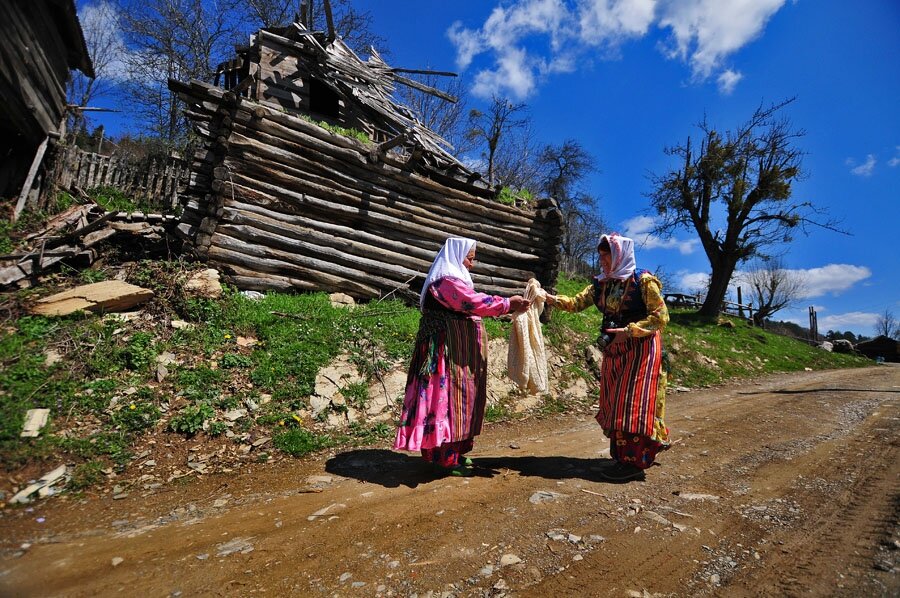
(449, 262)
(621, 249)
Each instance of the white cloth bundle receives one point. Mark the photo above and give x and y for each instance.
(526, 361)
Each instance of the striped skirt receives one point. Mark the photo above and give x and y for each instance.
(632, 389)
(446, 387)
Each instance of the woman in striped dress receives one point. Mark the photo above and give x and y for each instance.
(446, 387)
(632, 381)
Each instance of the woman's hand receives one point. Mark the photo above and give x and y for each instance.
(550, 299)
(518, 303)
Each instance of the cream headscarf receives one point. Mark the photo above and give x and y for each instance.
(621, 250)
(449, 262)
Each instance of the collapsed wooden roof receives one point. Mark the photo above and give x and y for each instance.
(277, 201)
(363, 91)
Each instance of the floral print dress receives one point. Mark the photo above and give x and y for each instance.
(446, 387)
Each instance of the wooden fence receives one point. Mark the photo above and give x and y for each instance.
(153, 184)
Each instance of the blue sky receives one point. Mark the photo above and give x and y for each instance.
(628, 78)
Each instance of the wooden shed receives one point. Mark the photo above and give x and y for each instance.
(277, 200)
(40, 43)
(880, 346)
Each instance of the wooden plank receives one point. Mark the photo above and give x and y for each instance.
(29, 179)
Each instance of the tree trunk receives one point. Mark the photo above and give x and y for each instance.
(722, 270)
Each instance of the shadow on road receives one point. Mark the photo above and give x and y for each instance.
(391, 469)
(380, 466)
(551, 468)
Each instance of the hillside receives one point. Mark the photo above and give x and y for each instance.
(195, 385)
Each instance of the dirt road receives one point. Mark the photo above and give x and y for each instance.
(785, 486)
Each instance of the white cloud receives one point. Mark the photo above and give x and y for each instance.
(513, 74)
(859, 321)
(692, 282)
(896, 159)
(611, 22)
(639, 227)
(468, 44)
(101, 24)
(527, 39)
(833, 279)
(865, 169)
(728, 80)
(705, 32)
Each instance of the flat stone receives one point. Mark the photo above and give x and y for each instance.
(109, 295)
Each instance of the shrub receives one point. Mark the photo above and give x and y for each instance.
(299, 441)
(190, 420)
(136, 417)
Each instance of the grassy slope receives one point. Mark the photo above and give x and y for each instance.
(103, 393)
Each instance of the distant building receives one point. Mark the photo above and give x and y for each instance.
(880, 346)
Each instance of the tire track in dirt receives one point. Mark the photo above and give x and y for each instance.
(788, 508)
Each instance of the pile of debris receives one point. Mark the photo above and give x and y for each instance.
(72, 237)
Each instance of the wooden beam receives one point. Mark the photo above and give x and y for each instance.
(330, 19)
(426, 89)
(32, 172)
(424, 72)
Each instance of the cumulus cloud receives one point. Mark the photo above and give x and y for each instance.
(728, 80)
(705, 32)
(862, 322)
(531, 34)
(611, 22)
(692, 282)
(639, 227)
(832, 279)
(865, 169)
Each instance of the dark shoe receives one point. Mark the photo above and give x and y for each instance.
(622, 472)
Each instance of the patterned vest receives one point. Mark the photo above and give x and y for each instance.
(620, 301)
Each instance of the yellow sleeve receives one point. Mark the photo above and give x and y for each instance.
(579, 302)
(657, 312)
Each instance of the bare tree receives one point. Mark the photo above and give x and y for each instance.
(353, 26)
(441, 116)
(749, 171)
(516, 162)
(173, 39)
(563, 168)
(102, 29)
(772, 288)
(887, 325)
(271, 13)
(491, 127)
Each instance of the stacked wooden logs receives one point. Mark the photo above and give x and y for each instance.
(278, 202)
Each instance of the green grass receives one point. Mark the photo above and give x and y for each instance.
(108, 369)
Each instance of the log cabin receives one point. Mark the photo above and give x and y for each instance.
(279, 198)
(41, 41)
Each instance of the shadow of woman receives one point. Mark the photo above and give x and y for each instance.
(551, 468)
(381, 466)
(392, 469)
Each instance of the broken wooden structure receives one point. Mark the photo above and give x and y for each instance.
(276, 200)
(73, 237)
(42, 42)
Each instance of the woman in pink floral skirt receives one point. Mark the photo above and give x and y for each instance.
(446, 388)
